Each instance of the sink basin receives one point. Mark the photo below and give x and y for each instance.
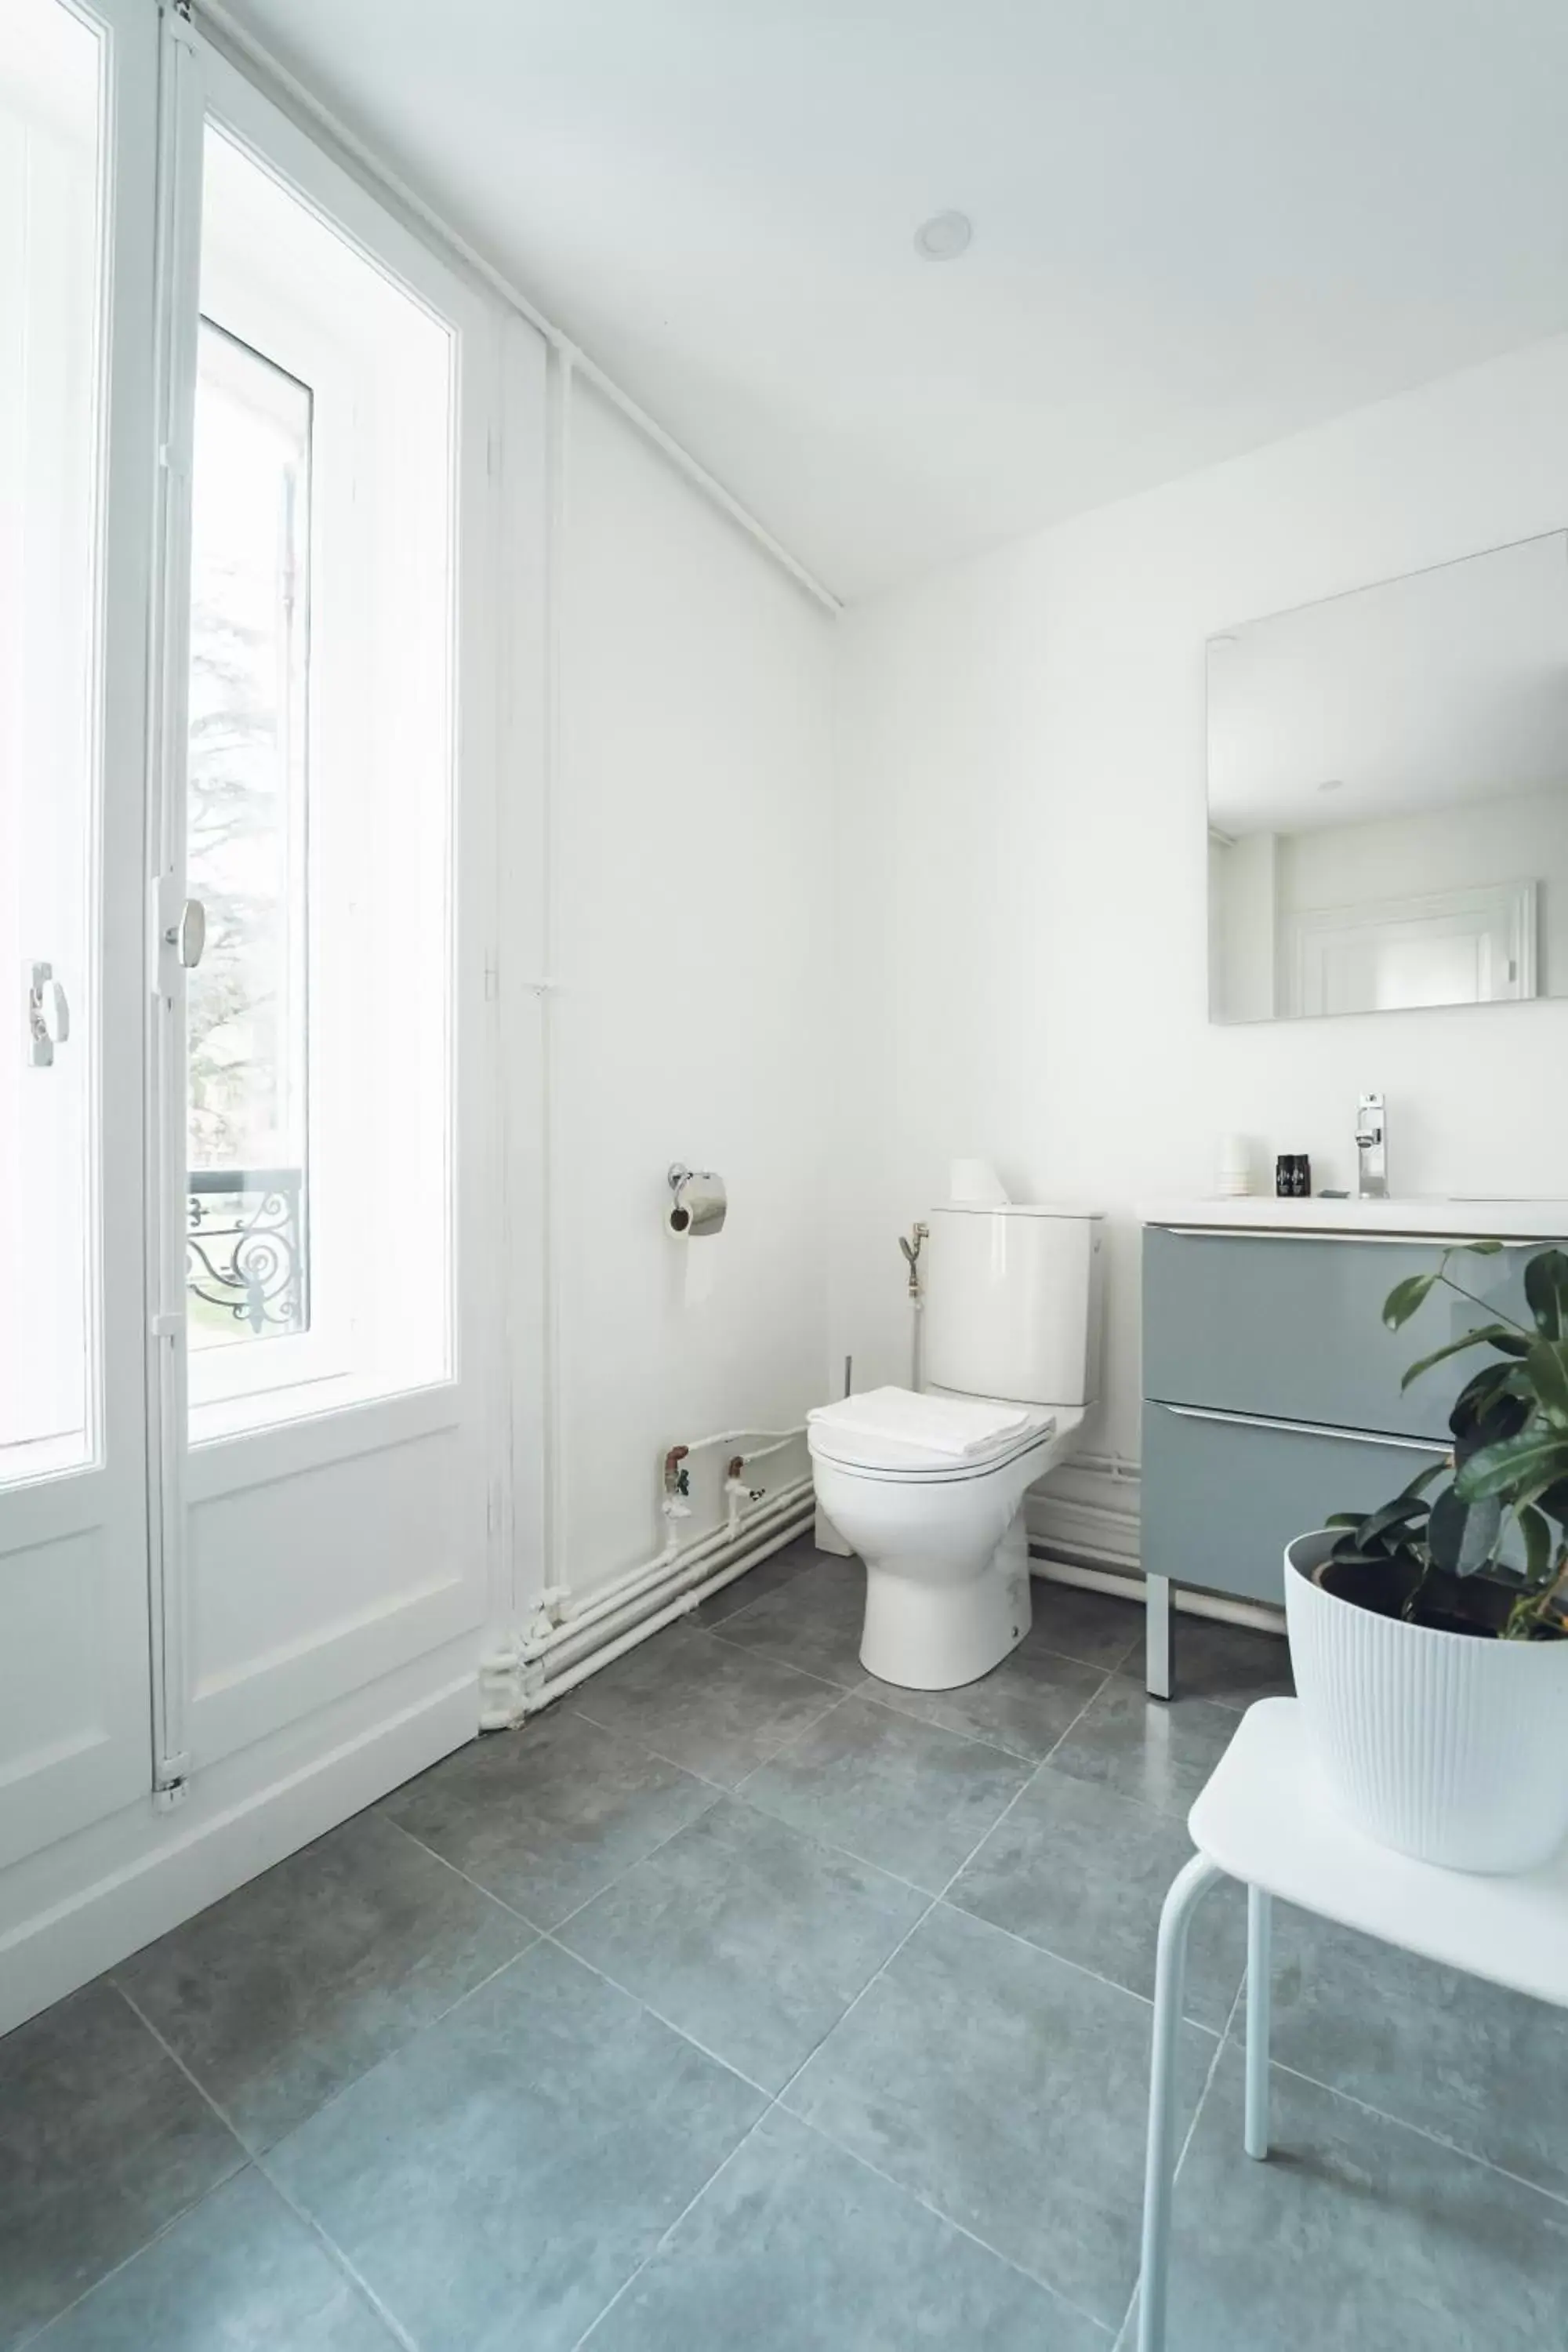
(1462, 1218)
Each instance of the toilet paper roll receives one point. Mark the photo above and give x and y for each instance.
(699, 1205)
(976, 1182)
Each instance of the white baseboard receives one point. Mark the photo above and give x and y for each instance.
(94, 1927)
(1089, 1514)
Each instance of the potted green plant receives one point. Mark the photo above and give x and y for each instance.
(1430, 1637)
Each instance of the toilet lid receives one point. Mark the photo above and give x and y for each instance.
(895, 1429)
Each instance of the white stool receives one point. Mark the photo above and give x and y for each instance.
(1267, 1819)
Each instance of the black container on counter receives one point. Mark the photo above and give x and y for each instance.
(1292, 1176)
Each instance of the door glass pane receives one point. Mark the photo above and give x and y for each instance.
(247, 1250)
(51, 72)
(318, 817)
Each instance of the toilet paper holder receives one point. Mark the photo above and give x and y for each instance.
(698, 1203)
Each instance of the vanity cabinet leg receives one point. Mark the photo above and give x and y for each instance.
(1157, 1661)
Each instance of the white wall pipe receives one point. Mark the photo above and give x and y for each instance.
(1255, 1614)
(216, 17)
(681, 1606)
(781, 1445)
(780, 1438)
(554, 1466)
(595, 1601)
(574, 1620)
(572, 1641)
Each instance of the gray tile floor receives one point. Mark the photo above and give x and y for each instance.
(743, 2000)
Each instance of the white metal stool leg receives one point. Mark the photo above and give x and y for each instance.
(1260, 1908)
(1170, 1972)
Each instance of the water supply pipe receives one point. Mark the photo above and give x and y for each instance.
(575, 1619)
(790, 1520)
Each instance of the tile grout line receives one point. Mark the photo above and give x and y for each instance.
(641, 2000)
(976, 1739)
(256, 2164)
(510, 1908)
(737, 1791)
(1331, 2090)
(35, 2335)
(1036, 1766)
(779, 2097)
(637, 1740)
(1079, 1967)
(707, 1634)
(257, 2156)
(963, 2228)
(631, 1740)
(552, 1933)
(663, 2239)
(1420, 2131)
(1198, 2105)
(736, 1795)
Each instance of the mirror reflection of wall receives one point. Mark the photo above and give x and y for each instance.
(1388, 794)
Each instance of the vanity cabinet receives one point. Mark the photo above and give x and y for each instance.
(1272, 1397)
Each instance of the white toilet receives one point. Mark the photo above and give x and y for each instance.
(928, 1489)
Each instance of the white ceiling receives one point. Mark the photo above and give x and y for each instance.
(1199, 225)
(1420, 694)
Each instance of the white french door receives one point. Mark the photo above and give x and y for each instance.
(325, 892)
(249, 1295)
(78, 141)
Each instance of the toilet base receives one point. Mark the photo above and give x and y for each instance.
(920, 1636)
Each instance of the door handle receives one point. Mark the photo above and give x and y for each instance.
(1306, 1428)
(48, 1015)
(188, 934)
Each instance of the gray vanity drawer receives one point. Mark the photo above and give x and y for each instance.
(1222, 1498)
(1291, 1326)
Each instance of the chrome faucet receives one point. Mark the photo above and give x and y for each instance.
(1372, 1149)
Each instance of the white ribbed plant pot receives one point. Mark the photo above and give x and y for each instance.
(1444, 1746)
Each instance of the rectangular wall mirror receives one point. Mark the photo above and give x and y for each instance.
(1388, 794)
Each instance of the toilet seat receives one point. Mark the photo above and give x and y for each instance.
(880, 1457)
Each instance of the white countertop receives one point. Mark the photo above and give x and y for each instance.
(1462, 1220)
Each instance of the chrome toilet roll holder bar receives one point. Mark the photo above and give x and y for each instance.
(698, 1205)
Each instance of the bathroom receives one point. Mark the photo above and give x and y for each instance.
(510, 1934)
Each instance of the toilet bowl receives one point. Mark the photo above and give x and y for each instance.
(944, 1547)
(929, 1487)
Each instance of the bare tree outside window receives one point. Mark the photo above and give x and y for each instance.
(246, 848)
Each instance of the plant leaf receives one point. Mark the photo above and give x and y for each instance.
(1481, 1391)
(1405, 1299)
(1462, 1535)
(1547, 1367)
(1536, 1529)
(1477, 1397)
(1553, 1501)
(1480, 1249)
(1495, 1334)
(1536, 1456)
(1397, 1513)
(1504, 1417)
(1546, 1289)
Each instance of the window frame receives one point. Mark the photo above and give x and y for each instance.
(299, 1378)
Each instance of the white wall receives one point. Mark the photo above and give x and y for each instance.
(1023, 857)
(691, 914)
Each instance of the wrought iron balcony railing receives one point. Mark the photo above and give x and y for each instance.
(245, 1245)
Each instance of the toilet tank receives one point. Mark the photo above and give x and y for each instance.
(1013, 1303)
